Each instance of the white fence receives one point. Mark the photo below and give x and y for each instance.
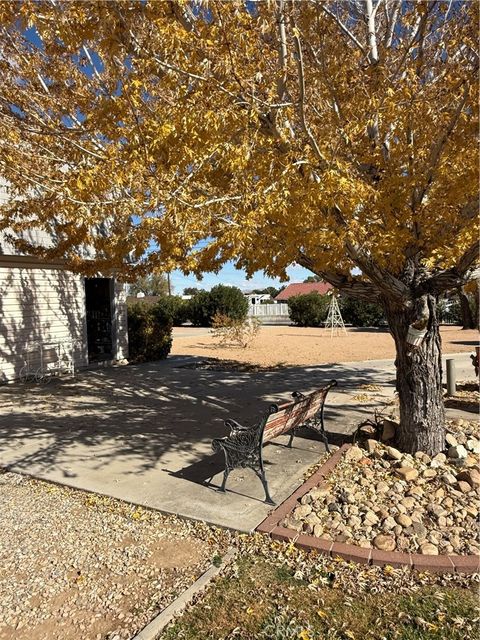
(271, 310)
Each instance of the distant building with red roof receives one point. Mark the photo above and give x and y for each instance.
(301, 288)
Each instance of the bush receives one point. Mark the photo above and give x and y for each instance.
(362, 314)
(227, 301)
(175, 308)
(234, 332)
(149, 332)
(309, 309)
(198, 309)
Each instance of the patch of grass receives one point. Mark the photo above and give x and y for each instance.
(217, 560)
(258, 600)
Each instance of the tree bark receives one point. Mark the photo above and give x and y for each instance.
(466, 311)
(419, 378)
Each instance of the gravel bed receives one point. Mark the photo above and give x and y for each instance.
(75, 565)
(379, 497)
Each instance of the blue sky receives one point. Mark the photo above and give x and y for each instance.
(228, 275)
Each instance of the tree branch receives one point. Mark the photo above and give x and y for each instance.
(391, 26)
(349, 284)
(466, 269)
(437, 149)
(385, 282)
(301, 100)
(282, 51)
(345, 30)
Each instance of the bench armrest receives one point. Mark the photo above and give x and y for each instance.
(233, 425)
(298, 395)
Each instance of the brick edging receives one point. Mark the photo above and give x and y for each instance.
(271, 526)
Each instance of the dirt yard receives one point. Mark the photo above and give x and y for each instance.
(283, 345)
(78, 566)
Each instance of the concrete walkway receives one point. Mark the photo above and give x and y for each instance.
(142, 433)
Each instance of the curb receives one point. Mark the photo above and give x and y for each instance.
(350, 552)
(156, 626)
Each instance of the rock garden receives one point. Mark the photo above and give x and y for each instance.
(381, 498)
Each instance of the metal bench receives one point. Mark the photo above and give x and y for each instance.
(243, 447)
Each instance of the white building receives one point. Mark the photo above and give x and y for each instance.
(257, 298)
(47, 311)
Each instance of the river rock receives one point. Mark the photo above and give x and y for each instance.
(463, 486)
(448, 478)
(354, 454)
(384, 543)
(388, 523)
(312, 519)
(393, 453)
(321, 491)
(302, 511)
(451, 440)
(416, 491)
(437, 510)
(371, 445)
(419, 529)
(408, 502)
(382, 487)
(457, 452)
(407, 473)
(472, 476)
(403, 520)
(370, 518)
(354, 522)
(473, 445)
(429, 549)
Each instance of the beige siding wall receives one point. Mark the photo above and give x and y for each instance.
(39, 305)
(48, 305)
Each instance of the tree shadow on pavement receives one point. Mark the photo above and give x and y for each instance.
(145, 413)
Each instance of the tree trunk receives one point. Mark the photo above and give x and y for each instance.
(466, 311)
(419, 378)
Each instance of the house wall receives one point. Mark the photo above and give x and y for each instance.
(42, 304)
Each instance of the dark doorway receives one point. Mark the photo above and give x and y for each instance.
(98, 301)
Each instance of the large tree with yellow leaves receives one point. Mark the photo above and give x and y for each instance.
(338, 135)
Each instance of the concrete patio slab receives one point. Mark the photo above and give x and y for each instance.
(142, 433)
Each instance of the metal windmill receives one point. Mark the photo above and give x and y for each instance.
(334, 320)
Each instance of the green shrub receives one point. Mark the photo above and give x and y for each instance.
(149, 332)
(362, 314)
(175, 308)
(198, 309)
(309, 309)
(227, 301)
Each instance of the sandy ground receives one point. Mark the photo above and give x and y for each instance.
(284, 345)
(78, 566)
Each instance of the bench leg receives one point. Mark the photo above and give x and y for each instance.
(324, 438)
(292, 435)
(225, 476)
(268, 498)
